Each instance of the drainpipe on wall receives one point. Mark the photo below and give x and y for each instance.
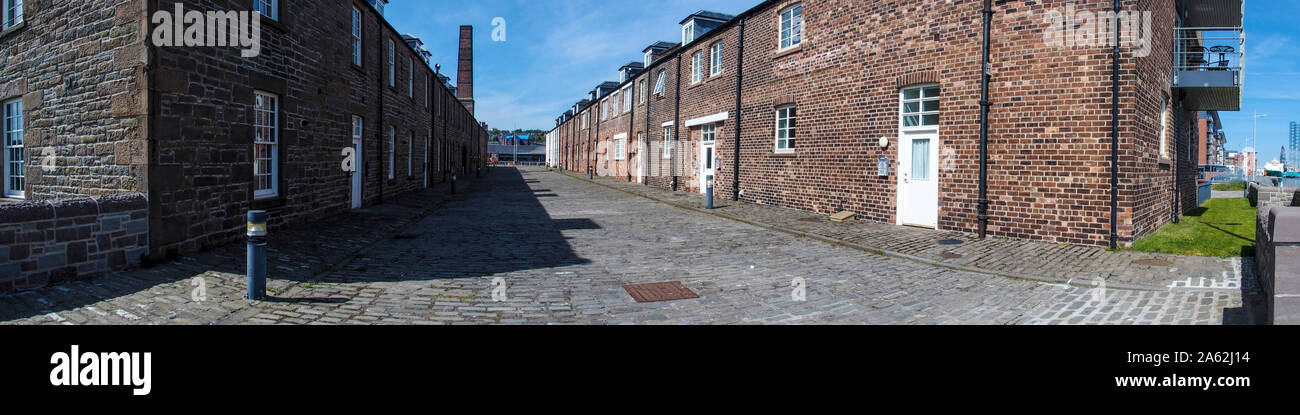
(984, 121)
(594, 136)
(677, 114)
(631, 125)
(740, 74)
(1114, 137)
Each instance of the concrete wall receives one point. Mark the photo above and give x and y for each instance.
(44, 242)
(1277, 254)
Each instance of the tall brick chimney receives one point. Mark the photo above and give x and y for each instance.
(465, 69)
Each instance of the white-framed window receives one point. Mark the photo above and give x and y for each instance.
(410, 155)
(715, 59)
(357, 128)
(1164, 127)
(266, 145)
(668, 142)
(392, 152)
(604, 110)
(659, 83)
(627, 98)
(13, 13)
(392, 64)
(697, 60)
(641, 91)
(920, 107)
(410, 77)
(585, 116)
(709, 133)
(356, 37)
(620, 147)
(613, 104)
(792, 26)
(649, 55)
(268, 8)
(785, 129)
(15, 174)
(688, 32)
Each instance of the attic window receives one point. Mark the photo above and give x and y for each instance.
(688, 32)
(649, 55)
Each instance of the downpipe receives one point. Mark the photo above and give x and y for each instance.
(985, 69)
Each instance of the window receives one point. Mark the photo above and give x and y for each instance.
(266, 144)
(604, 110)
(15, 175)
(620, 147)
(785, 129)
(659, 83)
(696, 61)
(410, 155)
(410, 77)
(585, 116)
(641, 92)
(392, 152)
(668, 142)
(709, 133)
(357, 124)
(649, 55)
(392, 64)
(715, 59)
(614, 105)
(627, 98)
(1164, 127)
(920, 106)
(13, 13)
(356, 37)
(792, 26)
(688, 32)
(268, 8)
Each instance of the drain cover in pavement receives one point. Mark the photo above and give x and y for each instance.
(949, 242)
(659, 291)
(1152, 262)
(950, 255)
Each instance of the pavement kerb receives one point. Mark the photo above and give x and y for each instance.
(884, 252)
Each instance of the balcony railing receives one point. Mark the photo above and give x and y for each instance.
(1210, 65)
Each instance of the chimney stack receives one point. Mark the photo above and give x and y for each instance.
(465, 69)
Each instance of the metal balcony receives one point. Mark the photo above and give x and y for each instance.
(1210, 54)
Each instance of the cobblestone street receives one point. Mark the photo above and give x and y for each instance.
(562, 248)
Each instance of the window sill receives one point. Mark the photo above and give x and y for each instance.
(780, 53)
(15, 29)
(783, 153)
(268, 202)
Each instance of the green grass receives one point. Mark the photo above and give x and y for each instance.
(1222, 228)
(1230, 186)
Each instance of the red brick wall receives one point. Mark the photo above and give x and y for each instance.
(1050, 126)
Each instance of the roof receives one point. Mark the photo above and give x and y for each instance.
(708, 15)
(537, 149)
(660, 45)
(633, 65)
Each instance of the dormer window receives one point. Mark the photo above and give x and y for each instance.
(649, 55)
(688, 32)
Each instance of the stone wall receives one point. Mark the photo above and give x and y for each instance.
(44, 242)
(1267, 196)
(1277, 256)
(78, 66)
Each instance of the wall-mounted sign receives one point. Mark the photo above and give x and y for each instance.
(882, 167)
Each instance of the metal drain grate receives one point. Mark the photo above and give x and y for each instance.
(1152, 262)
(659, 291)
(949, 242)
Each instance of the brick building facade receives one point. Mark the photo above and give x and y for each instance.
(828, 88)
(208, 134)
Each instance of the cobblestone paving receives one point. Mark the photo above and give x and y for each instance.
(560, 249)
(1056, 263)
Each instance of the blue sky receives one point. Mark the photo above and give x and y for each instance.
(557, 50)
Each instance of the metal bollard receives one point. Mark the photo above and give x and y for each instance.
(256, 254)
(453, 184)
(708, 192)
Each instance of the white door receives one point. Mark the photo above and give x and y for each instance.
(708, 159)
(640, 159)
(356, 175)
(918, 178)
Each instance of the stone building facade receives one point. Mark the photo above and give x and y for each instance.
(869, 81)
(207, 134)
